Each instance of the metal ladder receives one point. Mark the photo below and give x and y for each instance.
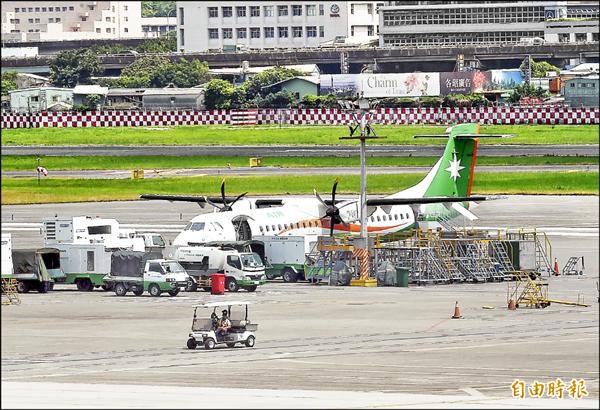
(571, 268)
(10, 296)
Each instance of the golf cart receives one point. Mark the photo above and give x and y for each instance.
(204, 328)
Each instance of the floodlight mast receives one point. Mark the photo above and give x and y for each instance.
(361, 117)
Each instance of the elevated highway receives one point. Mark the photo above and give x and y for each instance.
(328, 59)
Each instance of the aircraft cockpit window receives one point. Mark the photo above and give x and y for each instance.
(195, 226)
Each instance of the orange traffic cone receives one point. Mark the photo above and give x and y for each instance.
(556, 267)
(512, 305)
(457, 314)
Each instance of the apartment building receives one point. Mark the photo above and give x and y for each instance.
(223, 25)
(70, 20)
(451, 23)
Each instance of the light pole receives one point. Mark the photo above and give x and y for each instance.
(38, 159)
(361, 244)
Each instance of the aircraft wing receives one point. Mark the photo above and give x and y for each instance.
(418, 201)
(201, 200)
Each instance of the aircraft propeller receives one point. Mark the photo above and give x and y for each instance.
(225, 207)
(331, 210)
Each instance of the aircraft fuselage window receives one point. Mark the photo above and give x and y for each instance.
(285, 226)
(407, 216)
(384, 218)
(279, 227)
(378, 219)
(395, 217)
(273, 227)
(267, 227)
(261, 228)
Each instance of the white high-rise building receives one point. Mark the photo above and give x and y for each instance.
(223, 25)
(70, 20)
(455, 23)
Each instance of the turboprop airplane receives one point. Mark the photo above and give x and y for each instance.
(444, 192)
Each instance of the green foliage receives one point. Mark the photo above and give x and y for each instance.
(430, 101)
(317, 101)
(158, 9)
(465, 100)
(92, 101)
(163, 44)
(72, 67)
(217, 94)
(238, 99)
(159, 71)
(281, 99)
(9, 81)
(527, 90)
(539, 69)
(400, 102)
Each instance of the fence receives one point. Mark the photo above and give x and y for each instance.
(316, 116)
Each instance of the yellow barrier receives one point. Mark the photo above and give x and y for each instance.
(137, 174)
(255, 162)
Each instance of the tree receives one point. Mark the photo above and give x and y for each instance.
(281, 99)
(158, 9)
(217, 94)
(527, 90)
(539, 69)
(9, 81)
(72, 67)
(159, 71)
(163, 44)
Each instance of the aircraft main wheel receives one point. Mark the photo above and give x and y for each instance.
(209, 343)
(107, 287)
(289, 276)
(250, 341)
(154, 290)
(191, 343)
(22, 287)
(120, 289)
(138, 291)
(174, 292)
(251, 288)
(230, 345)
(270, 275)
(232, 285)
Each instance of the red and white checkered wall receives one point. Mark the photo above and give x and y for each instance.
(432, 115)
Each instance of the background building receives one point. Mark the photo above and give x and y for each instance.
(30, 100)
(452, 23)
(231, 25)
(582, 91)
(70, 20)
(157, 26)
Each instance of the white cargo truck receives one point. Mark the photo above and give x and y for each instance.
(243, 270)
(136, 272)
(86, 245)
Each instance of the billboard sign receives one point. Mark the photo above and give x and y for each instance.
(381, 85)
(465, 82)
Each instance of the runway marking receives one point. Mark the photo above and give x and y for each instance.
(498, 344)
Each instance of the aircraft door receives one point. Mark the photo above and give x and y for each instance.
(243, 232)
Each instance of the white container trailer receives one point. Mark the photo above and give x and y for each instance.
(285, 256)
(7, 262)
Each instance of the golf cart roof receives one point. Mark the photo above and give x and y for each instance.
(216, 304)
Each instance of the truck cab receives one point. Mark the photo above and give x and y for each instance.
(136, 272)
(242, 269)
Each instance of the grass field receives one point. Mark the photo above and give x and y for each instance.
(311, 135)
(26, 163)
(51, 190)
